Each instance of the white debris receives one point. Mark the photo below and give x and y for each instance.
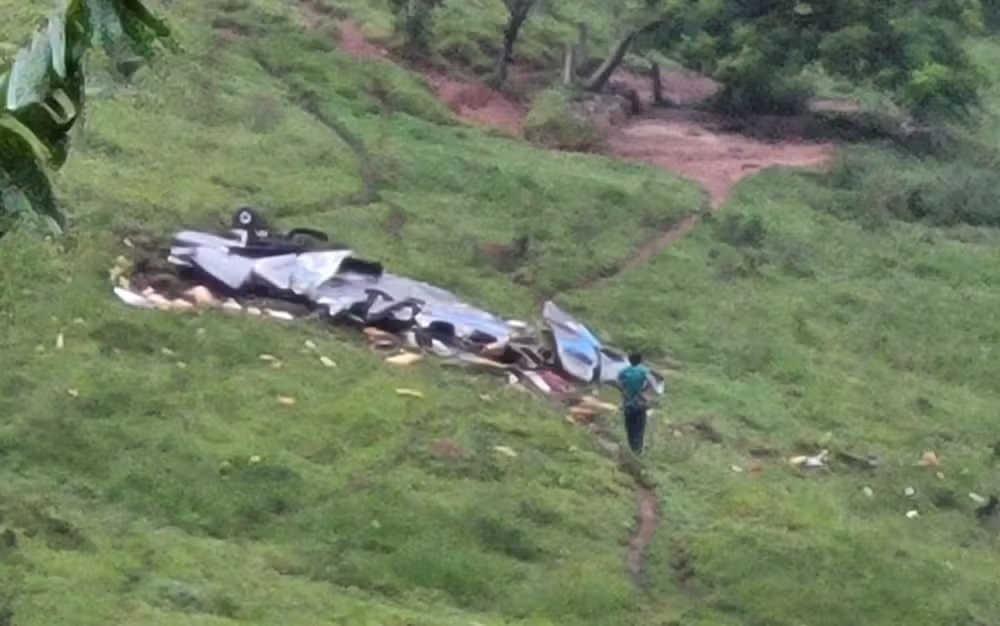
(909, 492)
(913, 514)
(868, 492)
(60, 341)
(132, 298)
(310, 345)
(978, 499)
(506, 451)
(280, 315)
(327, 361)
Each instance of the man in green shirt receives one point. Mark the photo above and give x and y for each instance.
(633, 380)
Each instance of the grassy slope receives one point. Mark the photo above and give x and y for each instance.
(880, 338)
(116, 495)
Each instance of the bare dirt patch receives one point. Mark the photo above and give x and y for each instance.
(639, 544)
(353, 40)
(477, 103)
(695, 145)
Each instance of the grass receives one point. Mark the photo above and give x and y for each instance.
(134, 498)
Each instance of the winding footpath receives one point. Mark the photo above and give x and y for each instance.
(693, 144)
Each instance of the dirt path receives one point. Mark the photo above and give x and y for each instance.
(647, 506)
(696, 145)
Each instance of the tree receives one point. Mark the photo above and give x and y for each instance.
(757, 50)
(517, 14)
(42, 93)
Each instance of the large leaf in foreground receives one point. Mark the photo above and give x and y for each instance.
(43, 94)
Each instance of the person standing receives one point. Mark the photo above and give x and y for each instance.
(633, 380)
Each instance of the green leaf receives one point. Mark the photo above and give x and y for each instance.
(25, 190)
(14, 128)
(29, 80)
(57, 42)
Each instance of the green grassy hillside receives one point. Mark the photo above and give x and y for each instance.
(128, 494)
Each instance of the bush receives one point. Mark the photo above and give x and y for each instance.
(884, 184)
(754, 83)
(552, 122)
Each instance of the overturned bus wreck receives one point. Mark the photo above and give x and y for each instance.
(397, 313)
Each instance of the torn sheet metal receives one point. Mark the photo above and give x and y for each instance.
(395, 311)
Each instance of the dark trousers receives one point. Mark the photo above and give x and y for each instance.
(635, 427)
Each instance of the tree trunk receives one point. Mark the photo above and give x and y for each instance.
(582, 46)
(657, 80)
(510, 33)
(603, 74)
(569, 64)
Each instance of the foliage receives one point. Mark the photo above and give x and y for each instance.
(134, 499)
(757, 50)
(414, 22)
(877, 184)
(553, 122)
(43, 94)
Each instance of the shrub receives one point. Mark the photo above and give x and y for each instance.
(884, 184)
(552, 122)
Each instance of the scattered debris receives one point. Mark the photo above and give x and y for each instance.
(327, 361)
(909, 492)
(736, 469)
(254, 460)
(268, 358)
(181, 364)
(858, 462)
(411, 393)
(406, 358)
(868, 491)
(300, 268)
(73, 393)
(810, 462)
(201, 296)
(310, 345)
(913, 514)
(506, 451)
(60, 341)
(285, 400)
(929, 459)
(978, 499)
(989, 509)
(167, 352)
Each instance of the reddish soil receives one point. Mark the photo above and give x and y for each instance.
(689, 143)
(469, 100)
(700, 146)
(695, 145)
(352, 39)
(477, 103)
(639, 543)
